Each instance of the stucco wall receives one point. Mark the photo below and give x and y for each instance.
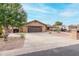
(23, 29)
(73, 34)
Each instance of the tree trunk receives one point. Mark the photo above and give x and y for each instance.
(6, 34)
(12, 30)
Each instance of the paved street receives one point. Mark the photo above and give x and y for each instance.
(72, 50)
(45, 44)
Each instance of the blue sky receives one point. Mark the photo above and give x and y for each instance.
(49, 13)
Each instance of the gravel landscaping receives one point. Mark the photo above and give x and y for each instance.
(12, 43)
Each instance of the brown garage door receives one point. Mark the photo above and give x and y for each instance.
(34, 29)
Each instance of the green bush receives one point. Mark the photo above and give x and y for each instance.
(22, 36)
(57, 30)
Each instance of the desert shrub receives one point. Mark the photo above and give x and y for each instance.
(57, 30)
(22, 36)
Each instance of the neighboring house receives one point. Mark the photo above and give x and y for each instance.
(60, 27)
(49, 27)
(70, 27)
(13, 29)
(16, 30)
(55, 27)
(63, 28)
(34, 26)
(78, 27)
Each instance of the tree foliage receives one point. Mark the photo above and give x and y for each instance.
(12, 14)
(58, 23)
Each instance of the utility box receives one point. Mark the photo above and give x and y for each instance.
(74, 34)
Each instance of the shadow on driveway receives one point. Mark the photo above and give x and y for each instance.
(72, 50)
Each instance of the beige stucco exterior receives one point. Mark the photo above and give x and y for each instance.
(74, 34)
(33, 23)
(23, 29)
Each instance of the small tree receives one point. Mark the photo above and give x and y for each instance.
(57, 25)
(11, 14)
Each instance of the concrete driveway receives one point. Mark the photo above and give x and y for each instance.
(35, 42)
(43, 41)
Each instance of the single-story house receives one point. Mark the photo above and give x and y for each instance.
(34, 26)
(49, 27)
(70, 27)
(60, 27)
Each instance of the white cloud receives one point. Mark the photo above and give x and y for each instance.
(40, 9)
(68, 13)
(49, 9)
(71, 11)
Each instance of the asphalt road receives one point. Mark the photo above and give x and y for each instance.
(72, 50)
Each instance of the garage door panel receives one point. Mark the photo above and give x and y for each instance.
(35, 29)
